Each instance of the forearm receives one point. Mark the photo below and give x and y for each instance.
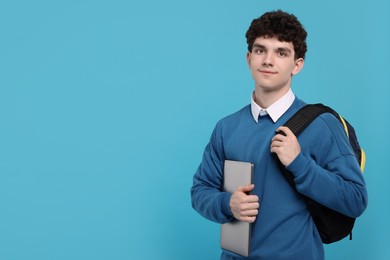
(339, 185)
(211, 203)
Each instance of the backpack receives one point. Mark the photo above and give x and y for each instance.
(332, 225)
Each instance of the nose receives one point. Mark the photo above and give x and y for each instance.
(268, 61)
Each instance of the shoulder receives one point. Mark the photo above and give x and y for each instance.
(228, 124)
(327, 129)
(332, 124)
(232, 119)
(329, 120)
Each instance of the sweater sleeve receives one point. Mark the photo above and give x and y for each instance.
(207, 196)
(330, 173)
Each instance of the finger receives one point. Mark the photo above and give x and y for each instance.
(246, 188)
(251, 199)
(275, 146)
(248, 219)
(278, 137)
(275, 150)
(276, 143)
(249, 206)
(250, 213)
(285, 130)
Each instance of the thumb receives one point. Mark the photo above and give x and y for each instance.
(246, 188)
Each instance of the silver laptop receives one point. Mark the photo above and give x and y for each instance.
(235, 235)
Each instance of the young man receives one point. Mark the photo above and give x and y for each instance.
(320, 159)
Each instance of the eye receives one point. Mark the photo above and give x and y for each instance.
(283, 54)
(259, 51)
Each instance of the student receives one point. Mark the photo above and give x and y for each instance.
(320, 159)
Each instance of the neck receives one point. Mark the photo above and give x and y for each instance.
(266, 98)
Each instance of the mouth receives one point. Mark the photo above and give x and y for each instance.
(267, 72)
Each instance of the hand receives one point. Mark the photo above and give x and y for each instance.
(244, 207)
(285, 146)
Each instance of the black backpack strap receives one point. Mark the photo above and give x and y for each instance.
(305, 115)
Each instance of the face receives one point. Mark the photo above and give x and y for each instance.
(272, 65)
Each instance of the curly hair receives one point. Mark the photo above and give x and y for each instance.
(284, 26)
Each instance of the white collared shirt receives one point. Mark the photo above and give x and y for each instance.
(276, 110)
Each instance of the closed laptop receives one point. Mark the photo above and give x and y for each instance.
(235, 235)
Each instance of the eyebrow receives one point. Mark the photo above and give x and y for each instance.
(280, 49)
(256, 45)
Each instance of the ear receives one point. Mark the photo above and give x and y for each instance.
(298, 66)
(248, 58)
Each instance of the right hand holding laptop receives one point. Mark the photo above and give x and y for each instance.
(244, 207)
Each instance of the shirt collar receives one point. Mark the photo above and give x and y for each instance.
(276, 110)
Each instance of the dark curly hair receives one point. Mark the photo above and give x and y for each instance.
(284, 26)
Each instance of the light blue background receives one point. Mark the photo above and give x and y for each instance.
(106, 107)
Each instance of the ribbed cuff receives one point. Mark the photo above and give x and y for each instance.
(225, 203)
(297, 166)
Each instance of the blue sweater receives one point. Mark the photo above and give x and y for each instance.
(326, 170)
